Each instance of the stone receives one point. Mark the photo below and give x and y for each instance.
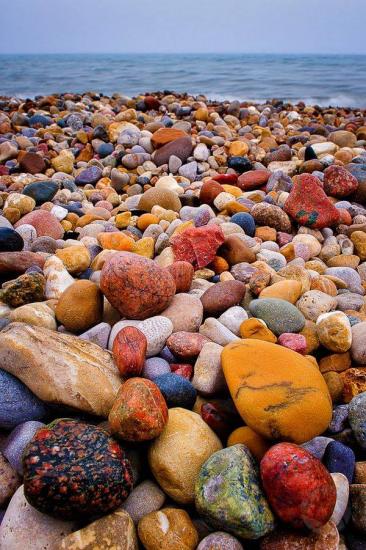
(197, 245)
(208, 377)
(90, 175)
(289, 290)
(162, 136)
(219, 541)
(298, 487)
(181, 148)
(343, 138)
(10, 481)
(18, 403)
(115, 531)
(232, 318)
(75, 258)
(222, 296)
(317, 446)
(24, 527)
(279, 315)
(342, 488)
(324, 538)
(182, 273)
(38, 314)
(185, 435)
(31, 162)
(257, 329)
(16, 442)
(271, 215)
(163, 197)
(80, 306)
(93, 475)
(137, 287)
(358, 506)
(253, 179)
(217, 332)
(57, 278)
(26, 289)
(21, 202)
(296, 342)
(334, 331)
(308, 204)
(185, 312)
(145, 498)
(356, 418)
(41, 191)
(359, 240)
(176, 390)
(129, 351)
(269, 384)
(358, 348)
(338, 182)
(186, 345)
(169, 528)
(99, 334)
(229, 496)
(155, 366)
(339, 458)
(10, 240)
(256, 444)
(235, 250)
(156, 330)
(68, 371)
(139, 412)
(45, 223)
(314, 303)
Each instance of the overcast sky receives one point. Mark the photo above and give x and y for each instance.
(269, 26)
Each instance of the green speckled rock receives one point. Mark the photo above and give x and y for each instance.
(279, 315)
(229, 497)
(25, 289)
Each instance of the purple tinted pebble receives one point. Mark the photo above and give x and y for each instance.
(155, 366)
(296, 342)
(98, 335)
(167, 355)
(339, 420)
(317, 446)
(16, 442)
(339, 458)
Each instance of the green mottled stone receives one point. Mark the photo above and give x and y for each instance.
(26, 289)
(229, 497)
(279, 315)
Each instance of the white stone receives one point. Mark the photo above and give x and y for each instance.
(208, 376)
(217, 332)
(232, 318)
(57, 277)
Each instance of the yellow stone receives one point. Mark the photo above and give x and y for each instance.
(123, 220)
(76, 258)
(359, 240)
(182, 227)
(66, 225)
(201, 114)
(257, 444)
(64, 162)
(284, 290)
(279, 393)
(144, 247)
(257, 329)
(311, 336)
(238, 148)
(232, 190)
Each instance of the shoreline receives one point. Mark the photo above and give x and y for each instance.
(182, 323)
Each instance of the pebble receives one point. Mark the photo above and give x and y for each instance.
(17, 441)
(279, 315)
(170, 528)
(145, 498)
(176, 390)
(356, 418)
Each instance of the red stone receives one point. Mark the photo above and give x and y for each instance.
(19, 262)
(253, 179)
(45, 224)
(137, 287)
(186, 345)
(296, 342)
(221, 296)
(299, 488)
(182, 273)
(31, 162)
(209, 191)
(129, 351)
(220, 419)
(309, 205)
(181, 148)
(182, 369)
(139, 412)
(339, 182)
(230, 179)
(198, 245)
(152, 103)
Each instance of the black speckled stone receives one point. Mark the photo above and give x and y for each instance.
(75, 470)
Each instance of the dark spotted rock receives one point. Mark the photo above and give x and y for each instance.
(75, 470)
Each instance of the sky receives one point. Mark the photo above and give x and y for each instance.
(124, 26)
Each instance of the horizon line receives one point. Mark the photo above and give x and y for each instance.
(186, 53)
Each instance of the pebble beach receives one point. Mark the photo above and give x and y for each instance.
(182, 324)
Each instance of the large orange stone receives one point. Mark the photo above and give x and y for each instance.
(279, 393)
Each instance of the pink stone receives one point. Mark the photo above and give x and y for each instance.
(45, 223)
(296, 342)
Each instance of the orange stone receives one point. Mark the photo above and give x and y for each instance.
(254, 328)
(116, 241)
(166, 135)
(256, 443)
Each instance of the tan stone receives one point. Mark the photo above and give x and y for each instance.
(289, 290)
(168, 529)
(75, 258)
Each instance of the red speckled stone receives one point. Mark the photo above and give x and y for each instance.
(253, 179)
(186, 345)
(137, 287)
(222, 296)
(129, 351)
(338, 182)
(75, 470)
(299, 488)
(45, 223)
(139, 412)
(198, 245)
(182, 369)
(309, 205)
(296, 342)
(209, 191)
(182, 273)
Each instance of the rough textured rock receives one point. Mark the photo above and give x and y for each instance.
(67, 371)
(197, 245)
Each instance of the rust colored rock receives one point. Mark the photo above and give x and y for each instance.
(182, 273)
(45, 223)
(197, 245)
(181, 148)
(19, 262)
(31, 162)
(325, 538)
(129, 351)
(186, 345)
(235, 251)
(166, 135)
(137, 287)
(354, 381)
(209, 191)
(253, 179)
(139, 412)
(221, 296)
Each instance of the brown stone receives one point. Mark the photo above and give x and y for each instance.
(235, 251)
(137, 287)
(162, 136)
(209, 191)
(19, 262)
(219, 297)
(337, 362)
(186, 345)
(168, 529)
(31, 162)
(360, 472)
(80, 306)
(324, 538)
(354, 380)
(181, 148)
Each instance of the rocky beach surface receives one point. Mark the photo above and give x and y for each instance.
(182, 324)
